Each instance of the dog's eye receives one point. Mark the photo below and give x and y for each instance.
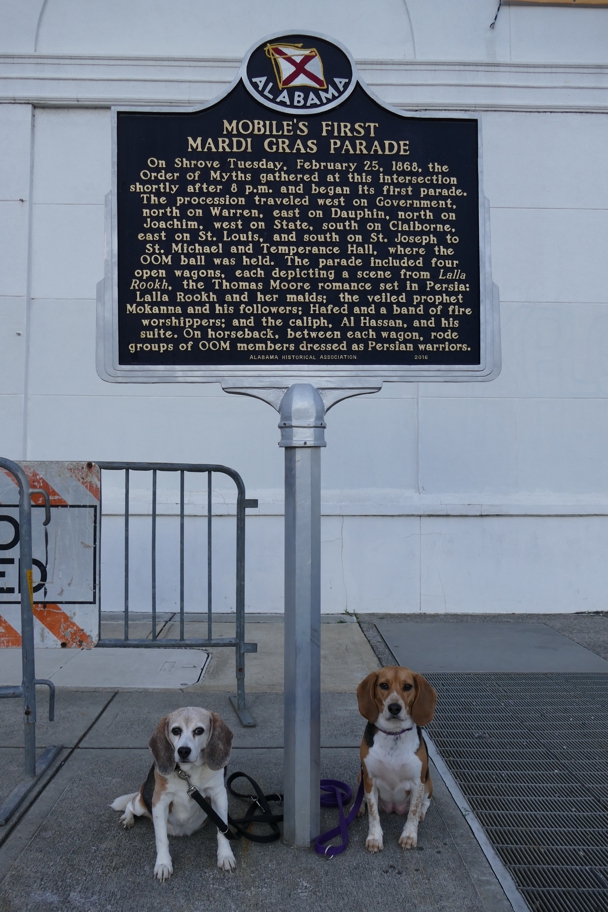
(176, 731)
(199, 731)
(384, 686)
(407, 686)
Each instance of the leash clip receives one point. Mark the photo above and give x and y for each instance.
(192, 790)
(184, 775)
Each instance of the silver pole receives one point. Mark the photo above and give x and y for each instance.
(302, 427)
(27, 625)
(28, 688)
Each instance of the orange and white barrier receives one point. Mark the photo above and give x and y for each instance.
(65, 555)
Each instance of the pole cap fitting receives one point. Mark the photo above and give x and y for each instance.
(302, 415)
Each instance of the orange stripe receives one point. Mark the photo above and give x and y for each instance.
(37, 481)
(87, 477)
(62, 626)
(8, 635)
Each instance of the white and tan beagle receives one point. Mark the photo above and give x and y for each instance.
(197, 742)
(396, 702)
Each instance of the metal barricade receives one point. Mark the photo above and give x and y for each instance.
(238, 641)
(34, 769)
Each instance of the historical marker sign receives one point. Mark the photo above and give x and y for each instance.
(297, 227)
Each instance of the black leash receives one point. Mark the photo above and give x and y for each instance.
(259, 802)
(336, 794)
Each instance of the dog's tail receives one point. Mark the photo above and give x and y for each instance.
(119, 804)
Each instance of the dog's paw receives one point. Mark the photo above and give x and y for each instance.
(163, 870)
(374, 844)
(408, 840)
(226, 862)
(362, 809)
(127, 820)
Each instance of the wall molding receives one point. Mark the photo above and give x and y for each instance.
(377, 502)
(91, 81)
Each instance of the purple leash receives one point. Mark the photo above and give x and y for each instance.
(337, 794)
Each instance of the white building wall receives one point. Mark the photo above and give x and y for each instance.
(15, 222)
(437, 497)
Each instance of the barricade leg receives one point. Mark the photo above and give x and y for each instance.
(238, 704)
(33, 769)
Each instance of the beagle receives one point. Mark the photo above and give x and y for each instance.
(394, 759)
(195, 743)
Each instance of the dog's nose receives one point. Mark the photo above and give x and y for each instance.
(394, 709)
(183, 752)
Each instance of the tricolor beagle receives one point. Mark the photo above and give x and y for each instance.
(197, 743)
(394, 758)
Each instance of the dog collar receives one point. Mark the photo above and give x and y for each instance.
(394, 734)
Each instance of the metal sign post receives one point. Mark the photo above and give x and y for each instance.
(302, 408)
(302, 427)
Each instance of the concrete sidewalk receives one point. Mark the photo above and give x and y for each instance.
(496, 643)
(346, 657)
(69, 853)
(65, 850)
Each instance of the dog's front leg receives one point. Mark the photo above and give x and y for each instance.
(163, 869)
(374, 842)
(225, 858)
(361, 811)
(409, 834)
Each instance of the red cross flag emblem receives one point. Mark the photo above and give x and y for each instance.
(295, 66)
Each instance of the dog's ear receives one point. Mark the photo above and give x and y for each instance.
(162, 749)
(219, 745)
(365, 696)
(423, 707)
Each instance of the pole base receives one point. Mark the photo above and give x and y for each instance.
(22, 790)
(245, 717)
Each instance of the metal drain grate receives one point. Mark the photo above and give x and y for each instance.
(530, 754)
